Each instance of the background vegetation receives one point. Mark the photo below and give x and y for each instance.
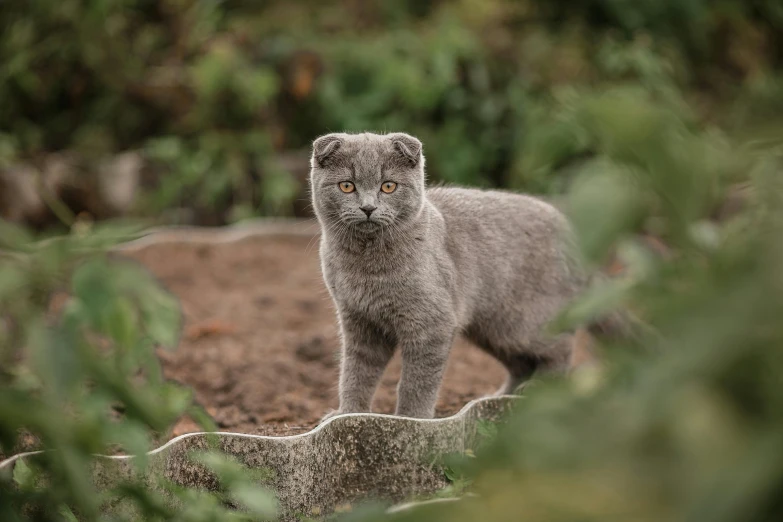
(221, 96)
(657, 124)
(79, 377)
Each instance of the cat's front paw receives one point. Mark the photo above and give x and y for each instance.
(329, 415)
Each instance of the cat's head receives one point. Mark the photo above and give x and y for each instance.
(366, 182)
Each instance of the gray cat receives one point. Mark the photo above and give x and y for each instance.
(411, 267)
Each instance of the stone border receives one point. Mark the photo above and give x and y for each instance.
(347, 459)
(219, 235)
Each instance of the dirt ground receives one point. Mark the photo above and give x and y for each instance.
(260, 345)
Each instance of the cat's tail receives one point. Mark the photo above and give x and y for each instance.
(617, 325)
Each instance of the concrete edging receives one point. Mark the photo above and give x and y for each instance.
(347, 459)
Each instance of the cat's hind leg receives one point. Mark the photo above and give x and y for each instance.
(541, 357)
(521, 368)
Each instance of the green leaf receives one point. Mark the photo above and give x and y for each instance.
(177, 398)
(67, 514)
(13, 237)
(95, 289)
(24, 476)
(56, 359)
(258, 501)
(12, 280)
(599, 299)
(121, 323)
(605, 203)
(162, 317)
(487, 429)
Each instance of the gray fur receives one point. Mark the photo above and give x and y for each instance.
(429, 264)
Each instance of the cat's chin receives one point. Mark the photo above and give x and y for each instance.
(368, 227)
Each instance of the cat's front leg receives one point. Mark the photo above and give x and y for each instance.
(366, 353)
(423, 364)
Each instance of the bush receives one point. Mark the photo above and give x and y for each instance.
(685, 422)
(80, 377)
(214, 92)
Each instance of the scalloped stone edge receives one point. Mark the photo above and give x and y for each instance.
(348, 459)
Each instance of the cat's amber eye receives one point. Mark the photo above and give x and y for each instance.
(347, 187)
(388, 187)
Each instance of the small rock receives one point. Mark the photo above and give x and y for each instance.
(263, 301)
(19, 198)
(118, 181)
(313, 349)
(308, 306)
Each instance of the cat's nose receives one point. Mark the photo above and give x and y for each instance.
(368, 209)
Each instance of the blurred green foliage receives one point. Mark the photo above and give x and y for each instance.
(685, 422)
(648, 117)
(79, 376)
(214, 92)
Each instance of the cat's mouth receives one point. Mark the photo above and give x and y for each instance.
(368, 223)
(367, 226)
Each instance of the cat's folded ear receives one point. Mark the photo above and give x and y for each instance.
(408, 147)
(324, 147)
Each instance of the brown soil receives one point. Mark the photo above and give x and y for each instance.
(260, 345)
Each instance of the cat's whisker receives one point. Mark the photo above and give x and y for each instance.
(313, 239)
